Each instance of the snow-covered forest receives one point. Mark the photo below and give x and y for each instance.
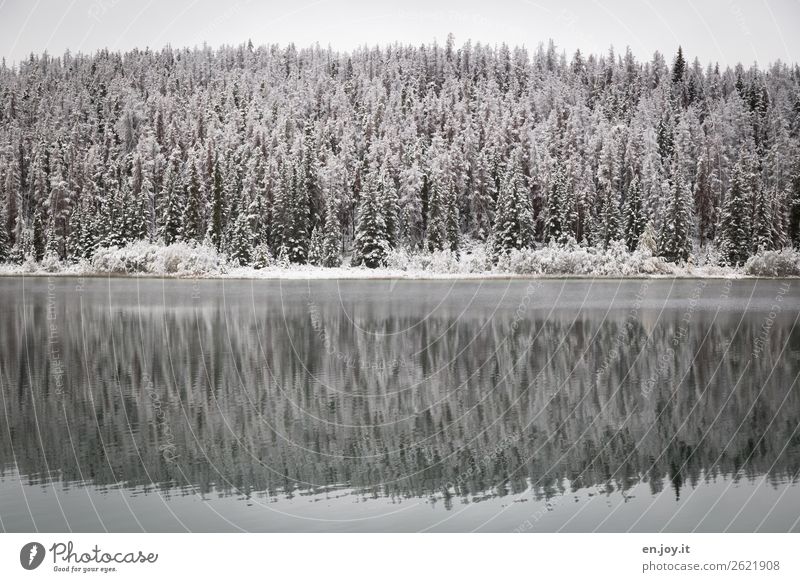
(316, 156)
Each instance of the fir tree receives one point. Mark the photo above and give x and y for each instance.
(440, 232)
(609, 220)
(297, 215)
(513, 223)
(561, 215)
(762, 223)
(647, 240)
(5, 239)
(217, 207)
(734, 226)
(372, 240)
(635, 219)
(675, 237)
(331, 235)
(193, 215)
(172, 201)
(315, 247)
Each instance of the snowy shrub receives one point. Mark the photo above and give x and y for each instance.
(51, 263)
(783, 263)
(573, 259)
(476, 259)
(471, 259)
(150, 258)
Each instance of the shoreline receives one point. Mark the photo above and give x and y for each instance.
(378, 275)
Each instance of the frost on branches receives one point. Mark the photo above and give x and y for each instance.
(254, 157)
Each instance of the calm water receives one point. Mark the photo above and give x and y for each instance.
(166, 405)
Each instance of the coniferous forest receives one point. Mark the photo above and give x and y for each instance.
(317, 156)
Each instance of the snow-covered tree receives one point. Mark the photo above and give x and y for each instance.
(734, 225)
(513, 223)
(372, 238)
(246, 148)
(675, 237)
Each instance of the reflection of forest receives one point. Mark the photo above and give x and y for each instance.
(297, 396)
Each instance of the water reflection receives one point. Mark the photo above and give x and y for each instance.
(452, 392)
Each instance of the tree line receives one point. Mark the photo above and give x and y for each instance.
(318, 156)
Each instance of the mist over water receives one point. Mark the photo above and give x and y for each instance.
(507, 405)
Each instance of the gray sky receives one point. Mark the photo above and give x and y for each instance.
(727, 31)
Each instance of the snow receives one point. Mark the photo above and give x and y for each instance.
(571, 260)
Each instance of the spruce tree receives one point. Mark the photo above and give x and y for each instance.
(372, 241)
(5, 239)
(217, 207)
(734, 226)
(297, 219)
(331, 234)
(172, 201)
(635, 219)
(553, 229)
(315, 247)
(193, 215)
(761, 235)
(608, 211)
(513, 222)
(675, 237)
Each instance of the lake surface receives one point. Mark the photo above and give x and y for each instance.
(495, 405)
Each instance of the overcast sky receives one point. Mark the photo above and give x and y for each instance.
(726, 31)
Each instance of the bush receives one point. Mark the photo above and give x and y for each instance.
(471, 259)
(150, 258)
(783, 263)
(573, 259)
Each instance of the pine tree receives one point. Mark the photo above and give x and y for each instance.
(635, 219)
(608, 211)
(442, 224)
(5, 239)
(217, 207)
(561, 216)
(172, 201)
(762, 223)
(193, 228)
(315, 247)
(331, 234)
(647, 240)
(239, 239)
(705, 207)
(513, 223)
(58, 206)
(675, 237)
(734, 226)
(297, 218)
(372, 239)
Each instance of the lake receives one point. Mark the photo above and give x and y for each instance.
(383, 405)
